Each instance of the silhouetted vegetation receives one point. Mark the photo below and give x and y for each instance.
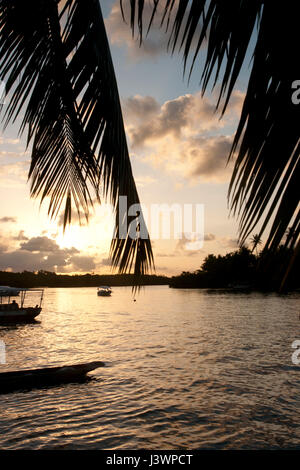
(243, 269)
(50, 279)
(265, 179)
(237, 269)
(55, 60)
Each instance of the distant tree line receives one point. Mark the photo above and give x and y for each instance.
(51, 279)
(243, 268)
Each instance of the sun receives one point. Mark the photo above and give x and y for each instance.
(88, 238)
(71, 237)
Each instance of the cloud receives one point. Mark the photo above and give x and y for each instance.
(190, 244)
(3, 247)
(171, 118)
(106, 262)
(204, 159)
(142, 181)
(4, 220)
(21, 261)
(120, 34)
(183, 135)
(15, 169)
(14, 174)
(20, 237)
(43, 253)
(43, 244)
(207, 158)
(82, 263)
(5, 141)
(229, 242)
(140, 107)
(165, 255)
(154, 43)
(186, 115)
(208, 237)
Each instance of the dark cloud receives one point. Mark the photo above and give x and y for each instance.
(170, 118)
(21, 260)
(106, 262)
(4, 220)
(43, 253)
(191, 113)
(186, 131)
(207, 157)
(43, 244)
(140, 107)
(21, 237)
(82, 263)
(3, 247)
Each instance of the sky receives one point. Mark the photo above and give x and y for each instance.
(178, 147)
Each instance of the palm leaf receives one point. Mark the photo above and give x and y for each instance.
(55, 59)
(33, 64)
(264, 184)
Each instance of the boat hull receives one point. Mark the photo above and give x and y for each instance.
(35, 378)
(20, 315)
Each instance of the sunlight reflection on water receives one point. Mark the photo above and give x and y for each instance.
(185, 369)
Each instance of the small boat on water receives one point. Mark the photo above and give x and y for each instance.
(12, 311)
(104, 291)
(34, 378)
(239, 286)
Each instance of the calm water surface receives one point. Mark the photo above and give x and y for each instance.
(185, 369)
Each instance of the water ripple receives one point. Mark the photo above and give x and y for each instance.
(184, 370)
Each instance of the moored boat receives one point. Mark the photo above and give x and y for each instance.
(12, 311)
(104, 291)
(32, 378)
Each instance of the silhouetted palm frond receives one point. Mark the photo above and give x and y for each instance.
(55, 59)
(265, 180)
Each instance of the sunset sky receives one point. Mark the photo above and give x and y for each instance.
(178, 147)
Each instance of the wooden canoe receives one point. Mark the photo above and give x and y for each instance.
(34, 378)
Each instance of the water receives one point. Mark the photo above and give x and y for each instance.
(185, 369)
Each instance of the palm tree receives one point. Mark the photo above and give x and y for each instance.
(56, 62)
(265, 178)
(55, 59)
(255, 241)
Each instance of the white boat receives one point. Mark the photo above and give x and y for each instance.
(104, 291)
(12, 311)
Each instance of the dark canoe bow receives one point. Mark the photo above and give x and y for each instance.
(34, 378)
